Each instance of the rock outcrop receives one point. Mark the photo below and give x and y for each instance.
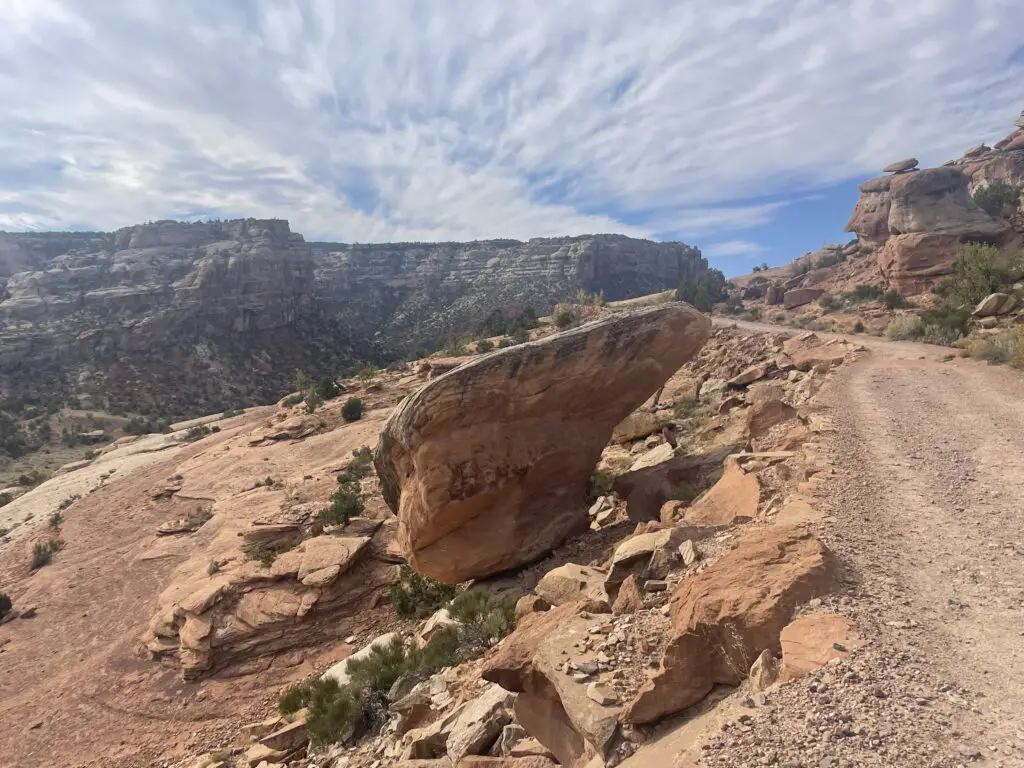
(487, 466)
(723, 618)
(180, 319)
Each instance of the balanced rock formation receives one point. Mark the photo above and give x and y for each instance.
(901, 166)
(487, 466)
(723, 618)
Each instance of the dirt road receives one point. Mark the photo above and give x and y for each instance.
(927, 512)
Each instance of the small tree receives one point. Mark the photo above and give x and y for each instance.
(312, 400)
(416, 596)
(484, 345)
(997, 198)
(703, 290)
(893, 299)
(352, 410)
(565, 316)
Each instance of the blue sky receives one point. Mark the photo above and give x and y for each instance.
(741, 127)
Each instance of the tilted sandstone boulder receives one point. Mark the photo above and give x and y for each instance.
(553, 707)
(797, 297)
(571, 583)
(487, 466)
(995, 304)
(901, 166)
(724, 617)
(732, 500)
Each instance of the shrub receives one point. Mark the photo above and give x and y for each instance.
(5, 604)
(416, 596)
(42, 554)
(1007, 347)
(565, 316)
(683, 493)
(940, 334)
(978, 271)
(326, 388)
(484, 345)
(197, 432)
(867, 292)
(352, 410)
(267, 556)
(955, 321)
(754, 314)
(997, 198)
(893, 299)
(800, 268)
(312, 400)
(366, 374)
(684, 406)
(733, 305)
(904, 327)
(346, 503)
(56, 520)
(291, 401)
(214, 567)
(5, 499)
(828, 302)
(829, 259)
(858, 327)
(455, 348)
(35, 477)
(757, 280)
(485, 617)
(506, 343)
(232, 412)
(362, 462)
(703, 290)
(334, 711)
(601, 483)
(520, 336)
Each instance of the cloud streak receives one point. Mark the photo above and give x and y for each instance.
(408, 119)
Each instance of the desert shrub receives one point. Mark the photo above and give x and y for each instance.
(42, 554)
(867, 292)
(978, 271)
(684, 406)
(484, 345)
(416, 595)
(232, 412)
(362, 462)
(366, 374)
(1006, 348)
(5, 604)
(858, 327)
(954, 320)
(757, 280)
(997, 198)
(828, 302)
(703, 290)
(601, 483)
(565, 316)
(267, 556)
(801, 267)
(352, 410)
(35, 477)
(829, 259)
(312, 399)
(485, 617)
(520, 336)
(506, 343)
(496, 324)
(56, 520)
(346, 503)
(940, 334)
(334, 711)
(904, 327)
(683, 493)
(197, 432)
(292, 400)
(893, 299)
(762, 267)
(455, 348)
(733, 305)
(213, 568)
(754, 313)
(137, 425)
(380, 669)
(5, 499)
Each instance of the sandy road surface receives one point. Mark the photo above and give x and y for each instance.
(927, 512)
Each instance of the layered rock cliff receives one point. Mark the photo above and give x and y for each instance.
(183, 318)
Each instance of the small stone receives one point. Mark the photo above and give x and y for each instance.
(688, 552)
(602, 694)
(588, 667)
(655, 585)
(351, 639)
(971, 753)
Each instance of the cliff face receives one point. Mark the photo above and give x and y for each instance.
(179, 319)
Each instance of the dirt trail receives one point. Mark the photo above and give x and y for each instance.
(927, 511)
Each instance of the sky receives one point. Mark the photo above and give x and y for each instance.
(741, 127)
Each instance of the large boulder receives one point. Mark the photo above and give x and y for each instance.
(732, 500)
(901, 166)
(487, 466)
(797, 297)
(571, 583)
(995, 304)
(726, 616)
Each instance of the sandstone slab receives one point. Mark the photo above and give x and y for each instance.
(811, 642)
(732, 500)
(797, 297)
(487, 466)
(570, 583)
(724, 617)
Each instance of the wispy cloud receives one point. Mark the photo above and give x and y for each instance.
(732, 248)
(409, 119)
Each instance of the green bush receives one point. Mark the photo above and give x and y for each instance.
(361, 464)
(858, 327)
(893, 299)
(940, 334)
(214, 567)
(312, 400)
(829, 259)
(754, 314)
(417, 596)
(520, 336)
(366, 374)
(904, 327)
(506, 343)
(801, 267)
(954, 320)
(197, 432)
(601, 483)
(455, 348)
(757, 280)
(484, 345)
(997, 198)
(496, 324)
(56, 520)
(334, 711)
(346, 503)
(42, 554)
(703, 290)
(733, 305)
(5, 499)
(352, 410)
(867, 292)
(978, 271)
(485, 617)
(828, 302)
(565, 316)
(5, 604)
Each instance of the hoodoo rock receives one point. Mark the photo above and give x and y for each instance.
(487, 466)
